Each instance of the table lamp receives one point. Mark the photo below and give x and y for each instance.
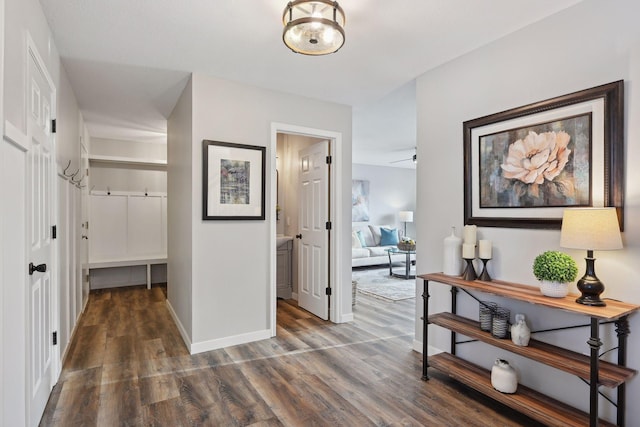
(405, 216)
(590, 229)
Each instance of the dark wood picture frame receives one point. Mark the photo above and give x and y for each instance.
(233, 181)
(610, 98)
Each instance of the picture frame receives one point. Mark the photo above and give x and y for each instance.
(524, 166)
(233, 181)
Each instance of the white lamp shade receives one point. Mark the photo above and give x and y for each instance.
(405, 216)
(591, 229)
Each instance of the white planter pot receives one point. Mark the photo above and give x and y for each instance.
(554, 289)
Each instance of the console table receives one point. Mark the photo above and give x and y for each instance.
(528, 401)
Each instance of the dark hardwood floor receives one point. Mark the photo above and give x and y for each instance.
(128, 366)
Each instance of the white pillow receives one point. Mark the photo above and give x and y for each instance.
(355, 241)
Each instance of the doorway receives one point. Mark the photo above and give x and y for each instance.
(283, 196)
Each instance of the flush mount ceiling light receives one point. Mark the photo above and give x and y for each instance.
(313, 27)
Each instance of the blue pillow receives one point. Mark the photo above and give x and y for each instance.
(388, 236)
(361, 238)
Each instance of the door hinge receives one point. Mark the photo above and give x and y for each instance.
(328, 291)
(55, 338)
(54, 231)
(329, 160)
(53, 125)
(328, 225)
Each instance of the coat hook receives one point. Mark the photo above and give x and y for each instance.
(108, 191)
(64, 172)
(145, 192)
(78, 181)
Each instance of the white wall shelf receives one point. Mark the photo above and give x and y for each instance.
(119, 160)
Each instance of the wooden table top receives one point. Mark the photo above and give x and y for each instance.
(613, 310)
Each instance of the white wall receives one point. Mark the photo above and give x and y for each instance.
(587, 45)
(180, 206)
(23, 18)
(391, 190)
(2, 248)
(124, 177)
(231, 266)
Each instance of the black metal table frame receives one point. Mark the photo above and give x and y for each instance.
(407, 274)
(594, 342)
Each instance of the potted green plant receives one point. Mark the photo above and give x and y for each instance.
(555, 270)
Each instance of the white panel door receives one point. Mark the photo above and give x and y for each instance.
(40, 187)
(313, 248)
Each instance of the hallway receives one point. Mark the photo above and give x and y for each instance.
(127, 365)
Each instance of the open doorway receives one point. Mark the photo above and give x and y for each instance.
(312, 267)
(383, 214)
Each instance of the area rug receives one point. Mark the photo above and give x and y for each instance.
(377, 283)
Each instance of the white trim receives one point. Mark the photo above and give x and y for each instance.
(347, 317)
(95, 158)
(201, 347)
(3, 403)
(431, 350)
(15, 136)
(127, 193)
(335, 190)
(179, 325)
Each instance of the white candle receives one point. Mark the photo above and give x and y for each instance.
(468, 251)
(452, 265)
(470, 234)
(484, 249)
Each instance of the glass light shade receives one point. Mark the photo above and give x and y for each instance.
(591, 229)
(405, 216)
(313, 27)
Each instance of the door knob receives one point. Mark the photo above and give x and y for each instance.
(298, 236)
(41, 268)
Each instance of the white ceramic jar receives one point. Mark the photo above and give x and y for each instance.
(520, 332)
(504, 377)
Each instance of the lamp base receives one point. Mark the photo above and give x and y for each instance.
(590, 286)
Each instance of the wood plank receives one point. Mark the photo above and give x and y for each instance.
(363, 372)
(612, 311)
(610, 375)
(536, 405)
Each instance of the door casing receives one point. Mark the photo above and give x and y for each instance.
(335, 191)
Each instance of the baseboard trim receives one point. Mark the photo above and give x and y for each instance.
(348, 317)
(181, 329)
(431, 350)
(203, 346)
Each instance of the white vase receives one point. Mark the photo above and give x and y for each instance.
(554, 289)
(452, 260)
(520, 332)
(504, 377)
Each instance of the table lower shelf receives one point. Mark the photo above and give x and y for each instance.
(526, 401)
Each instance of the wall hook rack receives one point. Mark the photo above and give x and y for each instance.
(64, 172)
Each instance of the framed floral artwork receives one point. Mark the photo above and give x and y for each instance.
(523, 166)
(233, 186)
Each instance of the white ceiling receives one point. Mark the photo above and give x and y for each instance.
(128, 60)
